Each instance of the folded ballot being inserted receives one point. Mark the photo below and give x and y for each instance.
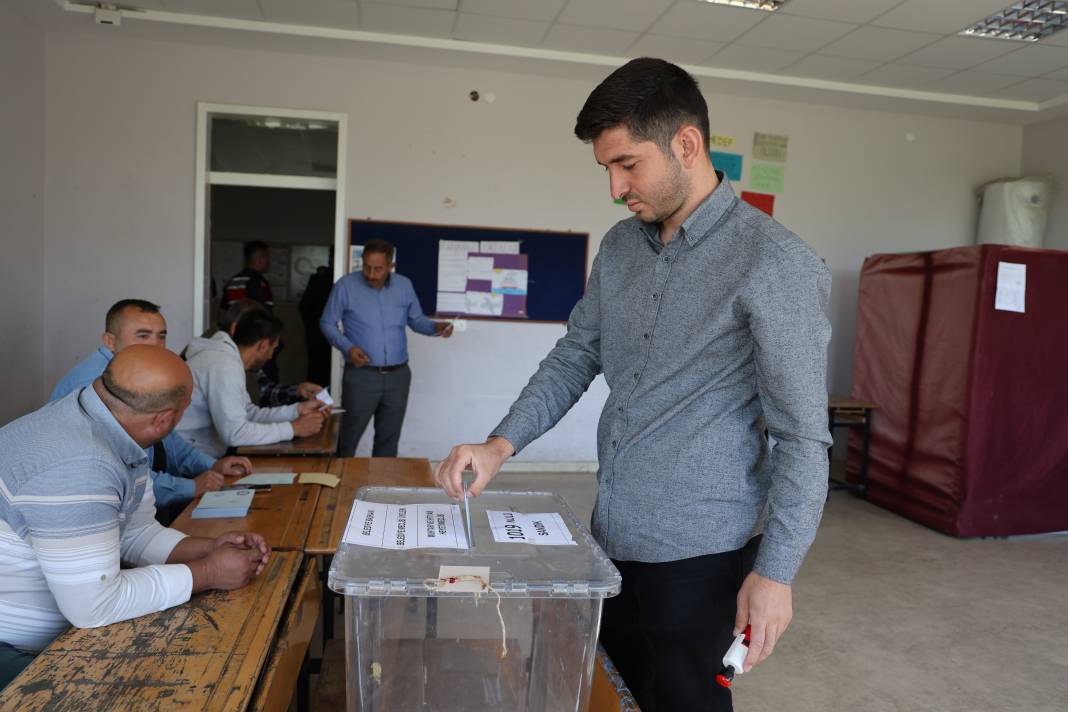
(214, 505)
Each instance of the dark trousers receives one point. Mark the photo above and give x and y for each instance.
(12, 662)
(669, 627)
(366, 393)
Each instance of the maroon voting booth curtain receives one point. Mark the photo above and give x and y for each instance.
(971, 433)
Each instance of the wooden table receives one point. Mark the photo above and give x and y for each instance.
(845, 412)
(206, 654)
(332, 512)
(282, 514)
(323, 443)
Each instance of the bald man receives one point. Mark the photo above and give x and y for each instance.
(74, 503)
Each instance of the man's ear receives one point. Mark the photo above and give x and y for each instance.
(690, 145)
(162, 423)
(108, 339)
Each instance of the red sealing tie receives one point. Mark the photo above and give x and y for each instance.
(723, 681)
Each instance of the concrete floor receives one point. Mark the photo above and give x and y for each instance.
(892, 616)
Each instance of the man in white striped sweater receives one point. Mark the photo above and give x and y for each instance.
(75, 509)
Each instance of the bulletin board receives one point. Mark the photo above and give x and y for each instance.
(556, 262)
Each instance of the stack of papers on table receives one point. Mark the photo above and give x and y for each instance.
(213, 505)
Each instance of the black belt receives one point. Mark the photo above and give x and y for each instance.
(387, 369)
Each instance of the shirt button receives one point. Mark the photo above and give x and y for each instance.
(620, 409)
(667, 259)
(645, 336)
(655, 295)
(635, 375)
(613, 443)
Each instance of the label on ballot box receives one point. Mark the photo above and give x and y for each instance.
(547, 529)
(405, 526)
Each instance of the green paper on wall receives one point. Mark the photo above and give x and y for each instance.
(765, 178)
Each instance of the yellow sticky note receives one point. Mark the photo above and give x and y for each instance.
(318, 478)
(721, 141)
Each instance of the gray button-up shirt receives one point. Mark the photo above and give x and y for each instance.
(705, 342)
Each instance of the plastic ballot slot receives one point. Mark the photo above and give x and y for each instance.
(509, 623)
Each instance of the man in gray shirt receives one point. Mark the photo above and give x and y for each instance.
(706, 318)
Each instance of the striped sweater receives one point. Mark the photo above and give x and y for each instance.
(74, 509)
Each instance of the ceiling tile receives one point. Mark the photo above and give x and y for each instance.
(433, 4)
(859, 11)
(753, 59)
(589, 39)
(520, 9)
(903, 75)
(396, 19)
(945, 16)
(839, 69)
(612, 14)
(674, 49)
(972, 83)
(878, 43)
(1035, 90)
(797, 34)
(960, 52)
(499, 30)
(702, 21)
(318, 13)
(1028, 61)
(244, 9)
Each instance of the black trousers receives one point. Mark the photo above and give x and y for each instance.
(669, 627)
(367, 394)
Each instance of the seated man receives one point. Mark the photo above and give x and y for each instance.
(271, 393)
(222, 414)
(74, 503)
(179, 472)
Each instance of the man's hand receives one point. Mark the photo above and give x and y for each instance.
(226, 568)
(443, 328)
(485, 460)
(310, 406)
(767, 606)
(233, 466)
(357, 357)
(246, 540)
(207, 481)
(308, 390)
(307, 424)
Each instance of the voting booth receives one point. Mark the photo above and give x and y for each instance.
(441, 615)
(965, 350)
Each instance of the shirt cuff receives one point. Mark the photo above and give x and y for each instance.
(179, 578)
(778, 563)
(516, 429)
(161, 546)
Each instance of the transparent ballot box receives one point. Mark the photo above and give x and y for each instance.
(441, 617)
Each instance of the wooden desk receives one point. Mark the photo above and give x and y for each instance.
(206, 654)
(323, 443)
(283, 514)
(332, 512)
(845, 412)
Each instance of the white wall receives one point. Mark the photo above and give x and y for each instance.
(22, 115)
(1045, 152)
(120, 193)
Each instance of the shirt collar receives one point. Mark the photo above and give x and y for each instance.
(118, 440)
(704, 217)
(107, 353)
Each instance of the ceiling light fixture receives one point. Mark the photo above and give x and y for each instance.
(1024, 21)
(765, 5)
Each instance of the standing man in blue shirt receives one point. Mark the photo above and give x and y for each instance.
(707, 319)
(179, 471)
(375, 307)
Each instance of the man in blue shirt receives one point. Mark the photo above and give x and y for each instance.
(375, 307)
(184, 472)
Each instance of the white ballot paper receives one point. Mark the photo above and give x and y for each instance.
(405, 526)
(324, 396)
(1012, 284)
(546, 529)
